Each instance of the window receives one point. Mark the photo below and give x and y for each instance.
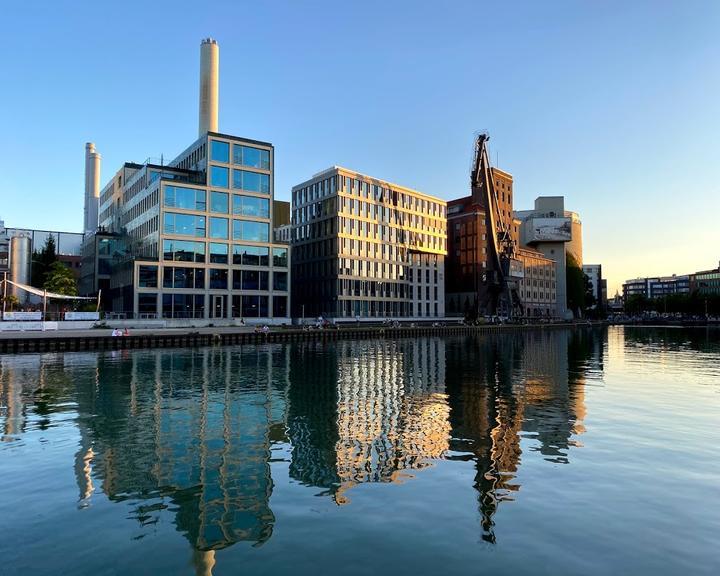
(280, 257)
(186, 198)
(253, 157)
(250, 230)
(218, 253)
(219, 228)
(280, 281)
(279, 306)
(219, 202)
(218, 279)
(250, 280)
(174, 277)
(184, 224)
(251, 181)
(251, 255)
(251, 206)
(219, 177)
(254, 306)
(147, 303)
(184, 251)
(147, 276)
(219, 151)
(183, 305)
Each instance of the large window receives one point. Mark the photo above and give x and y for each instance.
(219, 278)
(280, 281)
(219, 151)
(183, 305)
(218, 253)
(187, 198)
(250, 280)
(251, 181)
(251, 206)
(147, 303)
(280, 257)
(219, 177)
(184, 251)
(175, 277)
(250, 230)
(148, 276)
(219, 202)
(251, 255)
(253, 157)
(184, 224)
(254, 306)
(279, 306)
(219, 228)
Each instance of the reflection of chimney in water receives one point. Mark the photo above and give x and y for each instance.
(209, 81)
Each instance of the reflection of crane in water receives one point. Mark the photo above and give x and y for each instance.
(503, 266)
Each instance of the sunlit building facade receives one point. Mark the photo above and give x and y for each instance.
(365, 248)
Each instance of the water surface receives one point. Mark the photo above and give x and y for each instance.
(557, 452)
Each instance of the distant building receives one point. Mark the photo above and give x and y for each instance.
(68, 245)
(4, 249)
(598, 284)
(656, 287)
(705, 282)
(366, 248)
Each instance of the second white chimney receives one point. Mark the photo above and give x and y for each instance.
(209, 81)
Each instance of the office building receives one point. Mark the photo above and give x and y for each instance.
(656, 287)
(705, 282)
(193, 238)
(366, 248)
(597, 283)
(469, 265)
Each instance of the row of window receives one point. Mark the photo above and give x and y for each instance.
(241, 154)
(217, 278)
(219, 253)
(241, 179)
(194, 199)
(193, 306)
(193, 225)
(384, 309)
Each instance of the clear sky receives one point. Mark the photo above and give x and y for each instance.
(614, 105)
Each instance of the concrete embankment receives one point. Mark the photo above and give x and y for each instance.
(102, 340)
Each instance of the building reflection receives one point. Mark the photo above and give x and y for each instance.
(189, 433)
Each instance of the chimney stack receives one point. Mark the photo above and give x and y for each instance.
(92, 188)
(209, 79)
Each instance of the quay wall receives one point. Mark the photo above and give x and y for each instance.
(70, 342)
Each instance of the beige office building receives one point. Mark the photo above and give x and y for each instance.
(365, 248)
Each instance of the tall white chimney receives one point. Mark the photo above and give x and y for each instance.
(209, 79)
(92, 188)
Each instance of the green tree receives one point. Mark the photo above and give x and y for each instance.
(11, 302)
(575, 285)
(42, 262)
(60, 280)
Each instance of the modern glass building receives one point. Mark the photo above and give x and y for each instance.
(198, 234)
(364, 248)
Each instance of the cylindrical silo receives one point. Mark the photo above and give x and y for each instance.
(209, 86)
(20, 262)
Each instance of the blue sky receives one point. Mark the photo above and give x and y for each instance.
(615, 105)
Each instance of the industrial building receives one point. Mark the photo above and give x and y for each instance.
(365, 248)
(191, 238)
(486, 257)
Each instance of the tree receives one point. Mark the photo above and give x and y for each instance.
(574, 285)
(60, 280)
(11, 301)
(42, 262)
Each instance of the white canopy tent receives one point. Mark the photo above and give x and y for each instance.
(45, 295)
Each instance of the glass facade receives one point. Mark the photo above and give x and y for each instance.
(249, 156)
(219, 202)
(185, 198)
(184, 251)
(251, 255)
(251, 181)
(218, 253)
(148, 276)
(249, 230)
(219, 151)
(219, 228)
(177, 277)
(219, 177)
(251, 206)
(184, 224)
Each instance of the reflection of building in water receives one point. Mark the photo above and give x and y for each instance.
(377, 409)
(189, 431)
(530, 386)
